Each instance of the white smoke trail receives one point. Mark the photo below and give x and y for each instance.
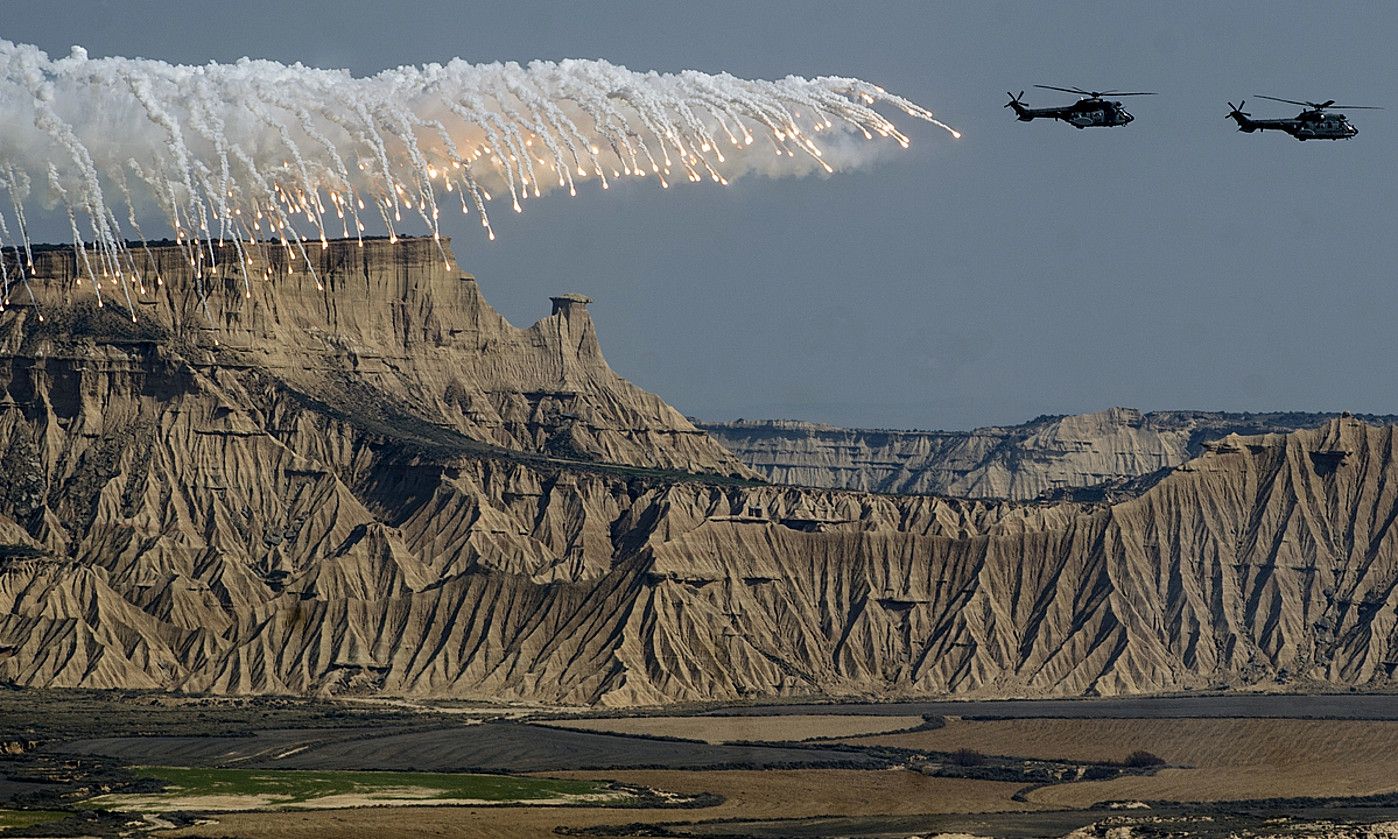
(260, 151)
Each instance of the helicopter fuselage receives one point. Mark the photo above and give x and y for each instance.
(1308, 125)
(1085, 113)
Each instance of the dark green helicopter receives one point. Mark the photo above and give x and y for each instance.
(1094, 110)
(1317, 122)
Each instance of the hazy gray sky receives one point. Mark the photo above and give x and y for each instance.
(1025, 269)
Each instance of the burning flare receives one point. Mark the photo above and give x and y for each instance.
(259, 151)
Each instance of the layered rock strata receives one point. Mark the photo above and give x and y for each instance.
(363, 330)
(1043, 456)
(228, 501)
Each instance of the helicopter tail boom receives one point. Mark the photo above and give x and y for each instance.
(1244, 124)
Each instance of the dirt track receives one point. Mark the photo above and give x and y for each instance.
(764, 728)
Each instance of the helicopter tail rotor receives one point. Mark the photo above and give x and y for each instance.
(1238, 115)
(1017, 106)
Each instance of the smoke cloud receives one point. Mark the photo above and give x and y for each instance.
(257, 151)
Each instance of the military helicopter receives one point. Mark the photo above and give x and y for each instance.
(1090, 111)
(1317, 122)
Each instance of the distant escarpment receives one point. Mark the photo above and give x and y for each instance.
(1044, 456)
(274, 496)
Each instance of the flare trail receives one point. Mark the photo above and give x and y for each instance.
(258, 152)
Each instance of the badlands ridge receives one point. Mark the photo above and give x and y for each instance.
(383, 487)
(1102, 452)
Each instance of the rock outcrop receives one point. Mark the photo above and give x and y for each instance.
(1045, 455)
(383, 333)
(231, 502)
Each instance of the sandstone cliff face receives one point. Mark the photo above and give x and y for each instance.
(1015, 462)
(393, 333)
(183, 516)
(1268, 561)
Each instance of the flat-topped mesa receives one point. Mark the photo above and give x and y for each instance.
(370, 329)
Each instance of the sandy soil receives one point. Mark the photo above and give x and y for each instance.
(726, 729)
(1225, 758)
(749, 794)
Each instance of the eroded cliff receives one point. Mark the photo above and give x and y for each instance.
(1044, 455)
(273, 514)
(389, 333)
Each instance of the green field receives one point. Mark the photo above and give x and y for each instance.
(11, 819)
(245, 789)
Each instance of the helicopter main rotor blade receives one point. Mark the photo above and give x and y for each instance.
(1120, 93)
(1065, 89)
(1357, 107)
(1287, 101)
